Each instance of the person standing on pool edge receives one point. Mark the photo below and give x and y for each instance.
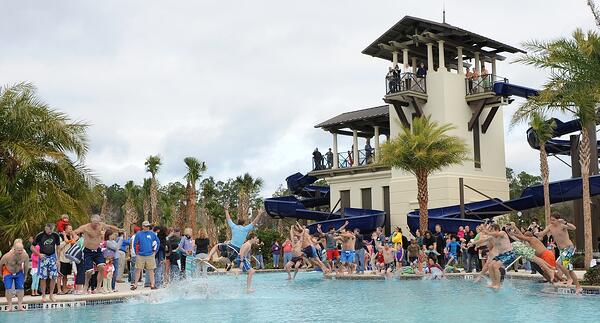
(14, 266)
(243, 259)
(558, 229)
(48, 269)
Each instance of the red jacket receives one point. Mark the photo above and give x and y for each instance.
(61, 224)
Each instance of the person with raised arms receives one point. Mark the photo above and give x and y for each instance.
(297, 256)
(14, 266)
(559, 230)
(92, 253)
(308, 247)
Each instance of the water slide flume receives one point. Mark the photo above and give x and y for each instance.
(308, 196)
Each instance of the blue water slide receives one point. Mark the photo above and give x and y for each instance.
(311, 196)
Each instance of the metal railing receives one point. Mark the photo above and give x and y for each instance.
(483, 83)
(405, 82)
(345, 159)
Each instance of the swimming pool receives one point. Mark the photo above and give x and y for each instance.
(312, 298)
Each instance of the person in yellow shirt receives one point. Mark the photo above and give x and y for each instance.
(397, 241)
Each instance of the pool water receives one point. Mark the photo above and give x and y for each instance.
(312, 298)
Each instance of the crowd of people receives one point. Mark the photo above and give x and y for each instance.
(96, 254)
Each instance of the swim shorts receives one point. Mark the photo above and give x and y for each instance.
(93, 257)
(565, 257)
(332, 254)
(65, 269)
(295, 260)
(309, 252)
(48, 267)
(347, 256)
(506, 258)
(548, 257)
(18, 279)
(246, 266)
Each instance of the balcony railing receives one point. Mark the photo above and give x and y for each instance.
(405, 82)
(482, 84)
(345, 159)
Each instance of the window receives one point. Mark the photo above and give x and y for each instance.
(344, 199)
(366, 198)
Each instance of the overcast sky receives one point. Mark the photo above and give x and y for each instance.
(238, 84)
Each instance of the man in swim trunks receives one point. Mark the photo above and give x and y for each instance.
(243, 259)
(47, 267)
(307, 247)
(388, 258)
(331, 243)
(505, 255)
(541, 257)
(297, 256)
(348, 253)
(559, 230)
(92, 254)
(14, 264)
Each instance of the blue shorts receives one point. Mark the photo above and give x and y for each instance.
(246, 266)
(17, 279)
(91, 258)
(48, 267)
(506, 258)
(347, 256)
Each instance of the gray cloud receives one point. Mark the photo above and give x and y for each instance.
(239, 85)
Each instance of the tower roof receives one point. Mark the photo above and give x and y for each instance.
(413, 33)
(362, 120)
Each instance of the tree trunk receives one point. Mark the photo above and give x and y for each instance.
(584, 159)
(191, 206)
(181, 216)
(146, 208)
(423, 199)
(544, 171)
(154, 201)
(131, 215)
(243, 206)
(206, 221)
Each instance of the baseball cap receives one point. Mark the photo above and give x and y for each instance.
(146, 224)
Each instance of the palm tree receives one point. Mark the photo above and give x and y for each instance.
(195, 168)
(544, 131)
(422, 150)
(248, 187)
(42, 174)
(573, 87)
(170, 198)
(152, 166)
(131, 215)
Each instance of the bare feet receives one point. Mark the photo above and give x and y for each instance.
(250, 290)
(43, 298)
(579, 290)
(22, 308)
(9, 308)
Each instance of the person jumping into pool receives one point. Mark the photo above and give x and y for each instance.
(92, 254)
(243, 259)
(333, 253)
(308, 248)
(504, 250)
(348, 252)
(539, 256)
(14, 264)
(297, 255)
(559, 230)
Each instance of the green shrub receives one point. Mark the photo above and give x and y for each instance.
(592, 276)
(268, 236)
(578, 261)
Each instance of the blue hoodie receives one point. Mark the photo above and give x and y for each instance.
(146, 243)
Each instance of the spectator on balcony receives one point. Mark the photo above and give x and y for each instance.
(485, 77)
(391, 80)
(421, 74)
(329, 158)
(475, 84)
(318, 159)
(469, 78)
(368, 152)
(350, 158)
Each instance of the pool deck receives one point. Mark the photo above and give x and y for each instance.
(124, 293)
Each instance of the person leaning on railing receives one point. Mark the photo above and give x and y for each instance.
(475, 78)
(485, 77)
(421, 74)
(390, 79)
